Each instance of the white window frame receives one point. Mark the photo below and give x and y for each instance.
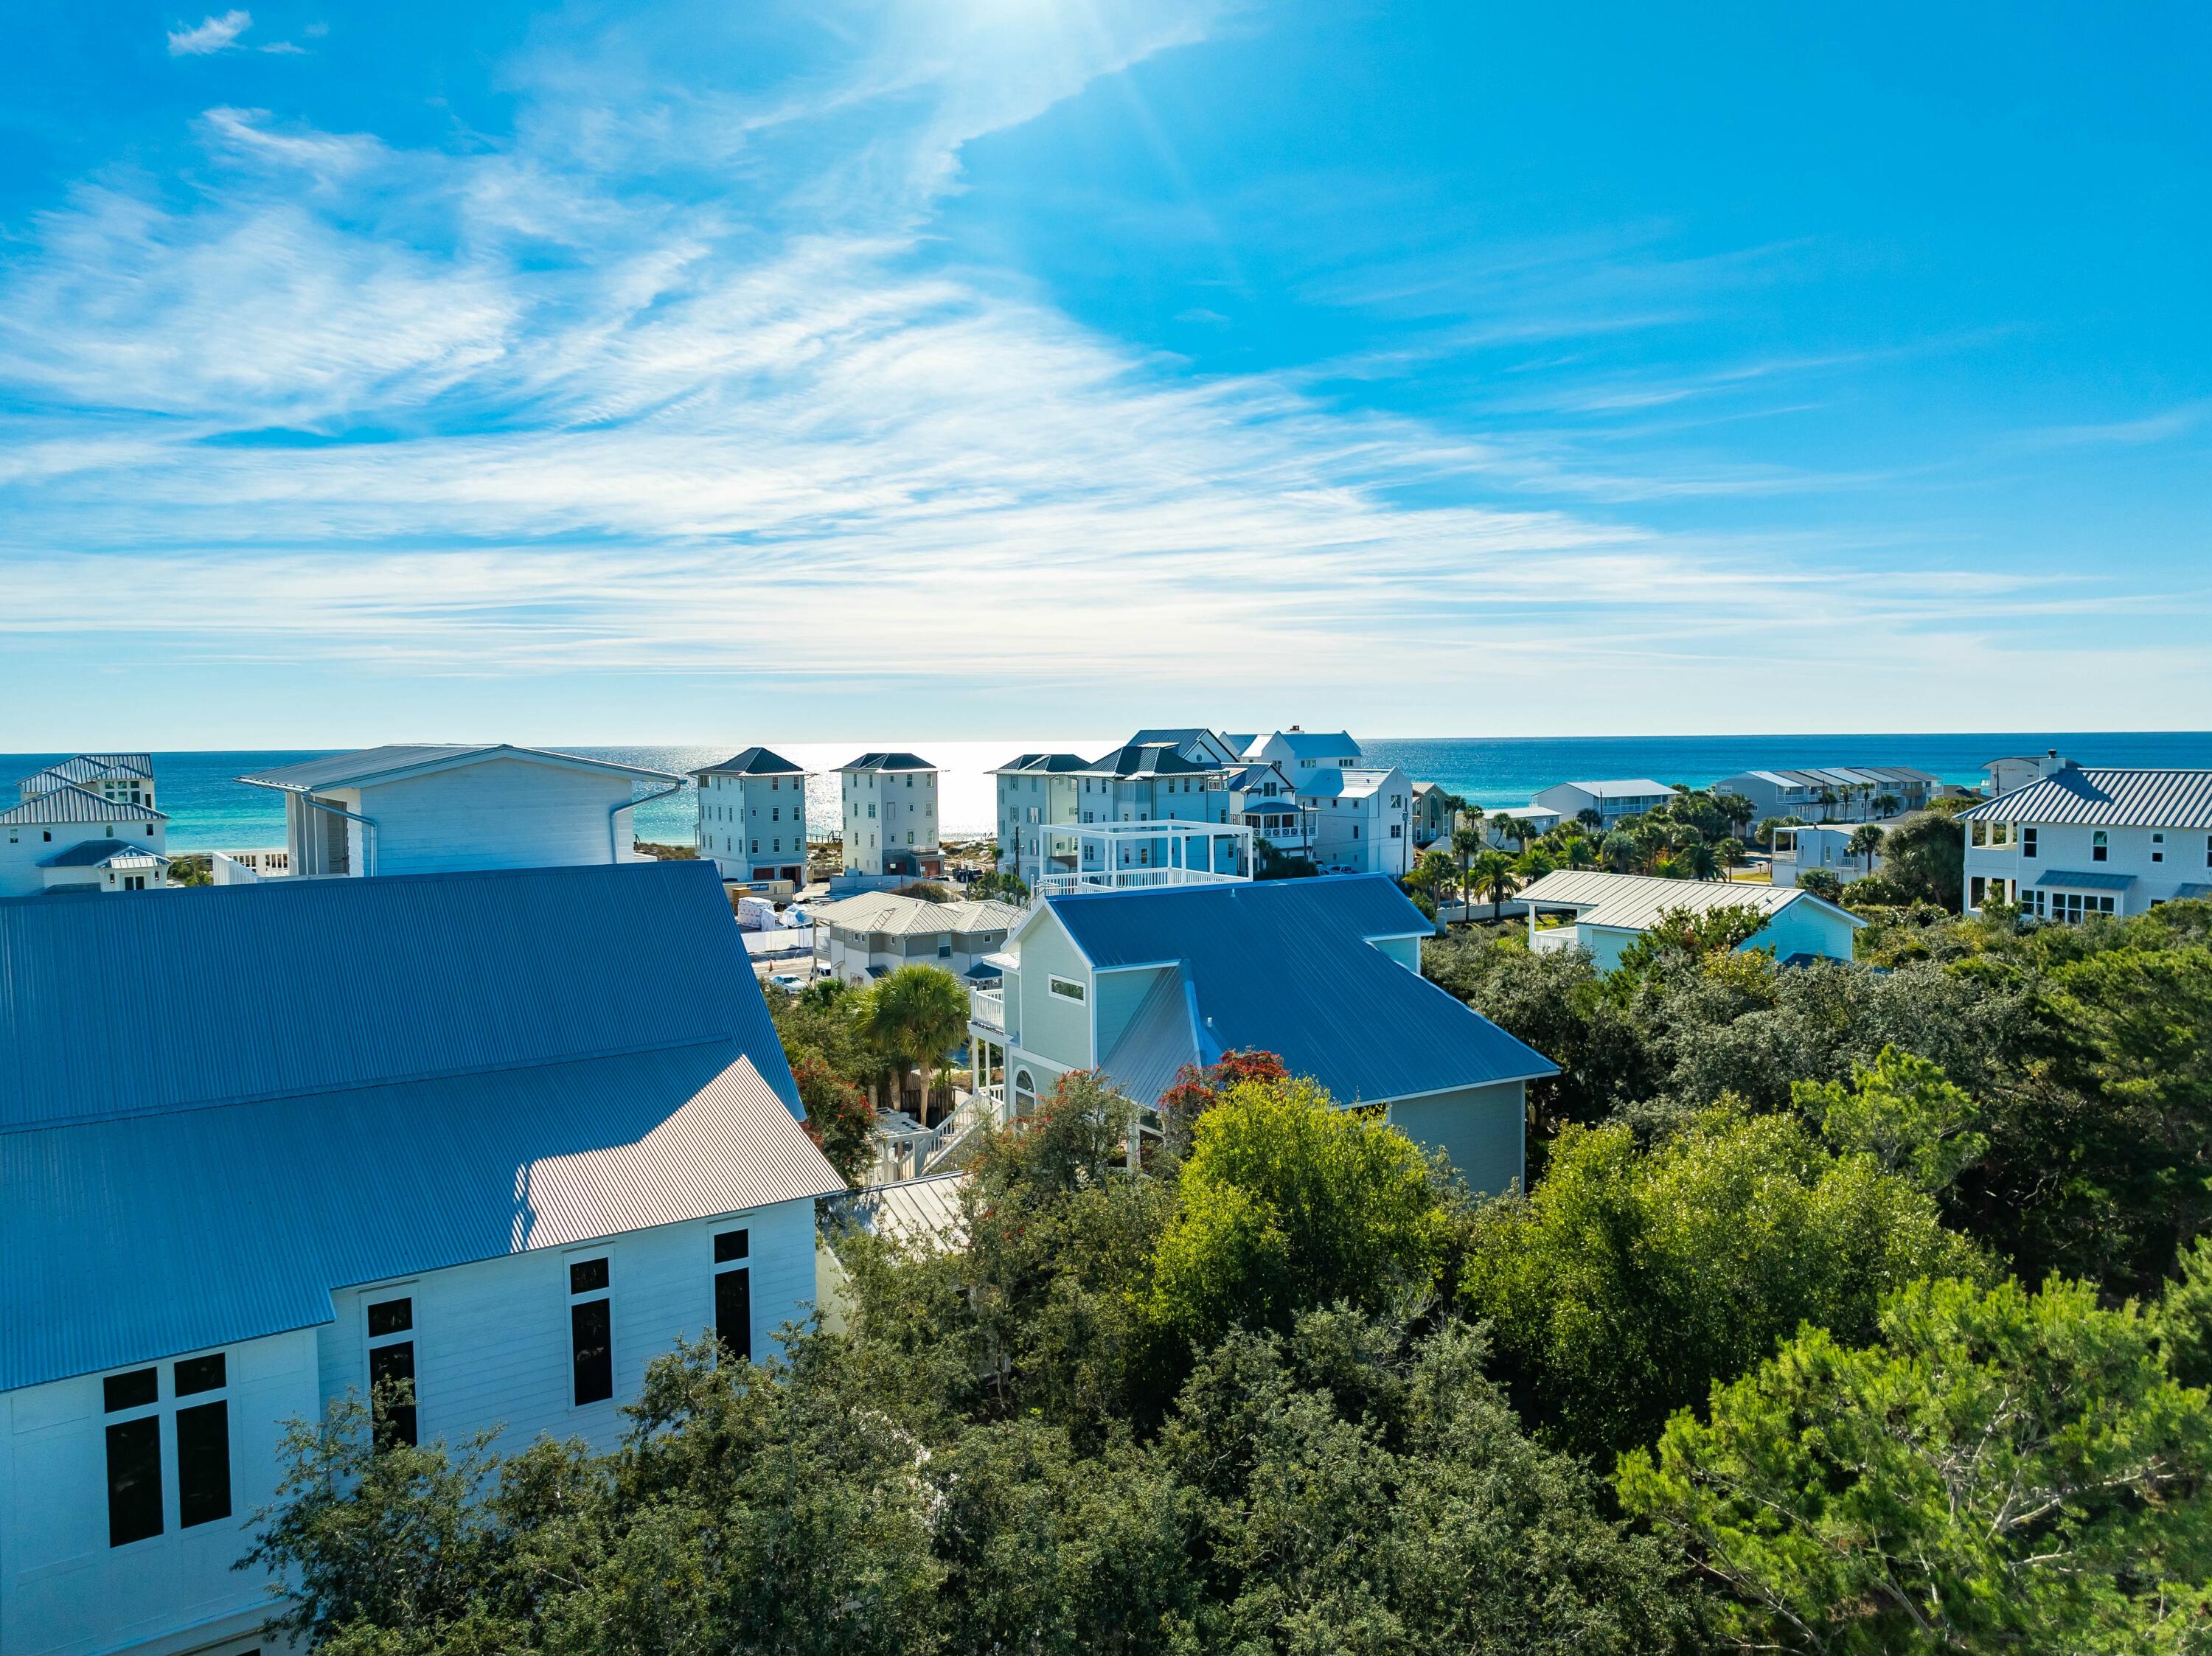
(1068, 989)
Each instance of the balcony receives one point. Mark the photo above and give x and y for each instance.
(1137, 856)
(988, 1008)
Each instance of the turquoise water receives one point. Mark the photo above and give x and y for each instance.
(209, 810)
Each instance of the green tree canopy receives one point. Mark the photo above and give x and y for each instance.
(2000, 1471)
(1630, 1280)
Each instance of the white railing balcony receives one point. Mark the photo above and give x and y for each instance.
(988, 1007)
(1131, 879)
(905, 1150)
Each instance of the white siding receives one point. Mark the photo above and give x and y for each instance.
(501, 813)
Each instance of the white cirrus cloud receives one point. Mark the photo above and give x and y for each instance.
(211, 35)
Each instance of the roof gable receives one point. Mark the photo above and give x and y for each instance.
(887, 762)
(71, 804)
(2079, 797)
(1288, 966)
(371, 766)
(1635, 902)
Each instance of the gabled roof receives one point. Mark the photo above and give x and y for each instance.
(372, 766)
(1635, 902)
(1288, 966)
(1351, 782)
(71, 804)
(752, 761)
(887, 762)
(493, 1061)
(89, 767)
(1308, 744)
(2105, 797)
(98, 854)
(1191, 741)
(889, 913)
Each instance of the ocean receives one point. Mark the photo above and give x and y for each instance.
(209, 810)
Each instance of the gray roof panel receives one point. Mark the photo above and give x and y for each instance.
(2078, 797)
(71, 804)
(753, 762)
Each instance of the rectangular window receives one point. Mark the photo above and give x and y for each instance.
(590, 1333)
(2028, 842)
(134, 1480)
(2098, 846)
(197, 1374)
(391, 1370)
(1974, 892)
(1068, 989)
(734, 1293)
(203, 1463)
(2158, 847)
(132, 1391)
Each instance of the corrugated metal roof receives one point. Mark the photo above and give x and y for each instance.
(753, 762)
(2078, 797)
(382, 980)
(454, 1066)
(888, 912)
(2059, 878)
(71, 804)
(1634, 902)
(1162, 1035)
(1630, 787)
(1285, 966)
(344, 770)
(1310, 744)
(262, 1209)
(926, 1210)
(94, 853)
(2196, 891)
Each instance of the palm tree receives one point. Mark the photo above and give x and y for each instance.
(1621, 851)
(1737, 810)
(1701, 860)
(1466, 842)
(1825, 799)
(1865, 841)
(1591, 817)
(1887, 805)
(1575, 851)
(1493, 878)
(1731, 854)
(916, 1016)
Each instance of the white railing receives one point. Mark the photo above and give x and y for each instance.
(275, 860)
(906, 1149)
(988, 1007)
(1131, 879)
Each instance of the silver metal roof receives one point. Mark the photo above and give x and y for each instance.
(386, 764)
(1628, 787)
(71, 804)
(2079, 797)
(918, 1211)
(1634, 902)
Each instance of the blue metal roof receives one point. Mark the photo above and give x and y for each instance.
(1286, 966)
(348, 1080)
(2059, 876)
(91, 853)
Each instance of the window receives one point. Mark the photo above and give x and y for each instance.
(733, 1292)
(591, 1331)
(1395, 832)
(2098, 846)
(391, 1369)
(2028, 842)
(134, 1479)
(1068, 989)
(2158, 847)
(202, 1443)
(1974, 888)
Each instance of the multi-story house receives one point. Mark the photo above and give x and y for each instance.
(1834, 793)
(1265, 800)
(483, 1162)
(1360, 816)
(1325, 973)
(426, 808)
(2016, 771)
(1619, 796)
(1037, 791)
(890, 815)
(1826, 846)
(1433, 816)
(1146, 782)
(752, 818)
(120, 779)
(65, 837)
(2084, 840)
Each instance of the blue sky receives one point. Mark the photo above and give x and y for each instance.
(988, 368)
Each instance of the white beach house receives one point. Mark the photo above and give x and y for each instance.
(422, 808)
(1360, 816)
(752, 818)
(62, 836)
(525, 1130)
(1630, 796)
(1608, 912)
(889, 816)
(858, 939)
(2084, 840)
(1834, 793)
